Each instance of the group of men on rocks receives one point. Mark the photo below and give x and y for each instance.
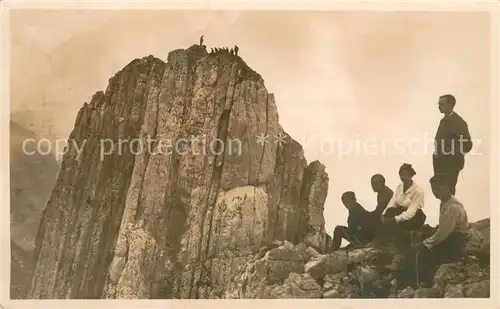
(215, 50)
(400, 212)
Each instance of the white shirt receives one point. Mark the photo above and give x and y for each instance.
(412, 200)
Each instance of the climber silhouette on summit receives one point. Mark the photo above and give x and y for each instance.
(231, 51)
(236, 48)
(201, 40)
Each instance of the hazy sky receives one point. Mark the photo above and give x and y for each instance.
(340, 79)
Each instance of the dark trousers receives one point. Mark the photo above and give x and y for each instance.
(448, 251)
(450, 167)
(414, 223)
(361, 237)
(375, 216)
(397, 234)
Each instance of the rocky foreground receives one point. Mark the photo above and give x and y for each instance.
(199, 224)
(299, 271)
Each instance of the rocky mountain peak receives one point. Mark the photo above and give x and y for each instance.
(174, 220)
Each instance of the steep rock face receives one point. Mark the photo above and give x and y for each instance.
(314, 192)
(285, 212)
(180, 217)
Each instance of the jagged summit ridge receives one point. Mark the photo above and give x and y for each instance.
(193, 54)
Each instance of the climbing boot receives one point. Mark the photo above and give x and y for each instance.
(397, 263)
(425, 284)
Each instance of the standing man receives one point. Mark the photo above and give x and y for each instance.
(451, 143)
(447, 244)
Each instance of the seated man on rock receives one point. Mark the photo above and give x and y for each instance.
(447, 244)
(359, 230)
(384, 196)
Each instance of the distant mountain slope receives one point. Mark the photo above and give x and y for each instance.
(32, 178)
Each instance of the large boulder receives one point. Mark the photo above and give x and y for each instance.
(467, 278)
(271, 269)
(321, 265)
(295, 286)
(478, 238)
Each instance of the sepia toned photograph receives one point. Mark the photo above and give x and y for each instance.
(249, 154)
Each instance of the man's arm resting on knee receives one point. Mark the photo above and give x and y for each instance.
(447, 224)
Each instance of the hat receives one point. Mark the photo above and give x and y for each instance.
(407, 167)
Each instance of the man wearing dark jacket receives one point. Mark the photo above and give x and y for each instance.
(359, 230)
(452, 142)
(384, 195)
